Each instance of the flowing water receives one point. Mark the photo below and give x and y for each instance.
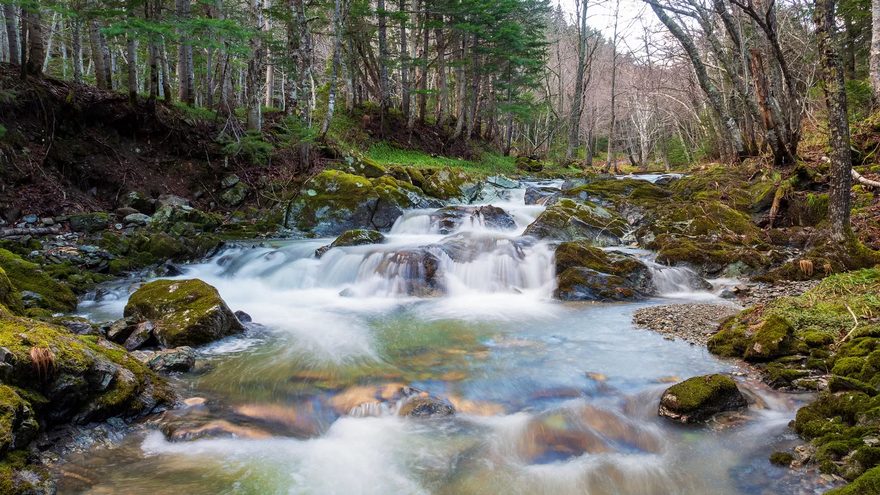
(551, 398)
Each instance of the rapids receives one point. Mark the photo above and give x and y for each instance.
(550, 397)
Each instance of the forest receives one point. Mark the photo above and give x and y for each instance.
(440, 247)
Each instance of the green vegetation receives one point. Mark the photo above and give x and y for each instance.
(27, 276)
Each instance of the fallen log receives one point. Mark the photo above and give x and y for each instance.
(14, 231)
(864, 181)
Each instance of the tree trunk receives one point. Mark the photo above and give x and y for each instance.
(255, 69)
(47, 56)
(97, 55)
(77, 50)
(423, 66)
(733, 134)
(613, 94)
(838, 125)
(574, 123)
(334, 70)
(875, 48)
(404, 63)
(185, 77)
(9, 13)
(132, 58)
(166, 71)
(384, 90)
(35, 40)
(443, 100)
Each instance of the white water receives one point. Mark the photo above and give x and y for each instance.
(488, 336)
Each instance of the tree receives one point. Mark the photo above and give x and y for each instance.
(574, 122)
(838, 123)
(186, 78)
(875, 48)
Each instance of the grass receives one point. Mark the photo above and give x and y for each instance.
(489, 163)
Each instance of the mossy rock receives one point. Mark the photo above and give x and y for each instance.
(184, 312)
(568, 220)
(586, 272)
(27, 276)
(334, 201)
(89, 222)
(773, 338)
(620, 192)
(358, 237)
(450, 184)
(781, 459)
(76, 378)
(697, 399)
(866, 484)
(9, 295)
(235, 195)
(826, 257)
(18, 423)
(357, 164)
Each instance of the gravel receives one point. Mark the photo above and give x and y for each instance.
(694, 323)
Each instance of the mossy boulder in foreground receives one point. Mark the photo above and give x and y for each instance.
(184, 312)
(699, 398)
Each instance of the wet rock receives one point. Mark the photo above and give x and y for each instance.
(587, 273)
(185, 312)
(502, 182)
(139, 202)
(452, 218)
(541, 195)
(334, 201)
(356, 237)
(243, 317)
(19, 422)
(140, 335)
(567, 220)
(449, 184)
(528, 164)
(697, 399)
(218, 428)
(180, 359)
(585, 284)
(425, 407)
(465, 247)
(415, 271)
(77, 325)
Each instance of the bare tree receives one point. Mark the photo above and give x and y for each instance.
(875, 48)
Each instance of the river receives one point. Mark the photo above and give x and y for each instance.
(551, 397)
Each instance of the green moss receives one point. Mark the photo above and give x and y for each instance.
(27, 276)
(358, 237)
(695, 392)
(621, 192)
(569, 220)
(848, 366)
(771, 338)
(9, 295)
(782, 459)
(186, 312)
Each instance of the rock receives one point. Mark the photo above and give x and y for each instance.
(180, 359)
(541, 195)
(18, 422)
(587, 273)
(89, 222)
(697, 399)
(243, 317)
(140, 335)
(185, 312)
(356, 237)
(666, 179)
(772, 339)
(229, 181)
(415, 271)
(30, 219)
(423, 406)
(47, 221)
(333, 202)
(502, 182)
(137, 219)
(528, 164)
(567, 220)
(172, 200)
(125, 211)
(77, 325)
(452, 218)
(691, 322)
(44, 291)
(139, 202)
(450, 184)
(235, 195)
(360, 165)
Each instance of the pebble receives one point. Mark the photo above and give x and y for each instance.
(694, 323)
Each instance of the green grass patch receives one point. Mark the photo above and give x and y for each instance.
(489, 163)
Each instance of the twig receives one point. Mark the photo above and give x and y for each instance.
(856, 320)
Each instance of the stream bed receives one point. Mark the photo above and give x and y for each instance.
(550, 397)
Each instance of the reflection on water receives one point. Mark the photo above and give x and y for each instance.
(551, 398)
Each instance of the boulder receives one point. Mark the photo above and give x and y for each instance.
(137, 219)
(425, 406)
(449, 184)
(528, 164)
(18, 423)
(184, 312)
(568, 220)
(414, 271)
(89, 222)
(587, 273)
(451, 218)
(139, 202)
(334, 201)
(541, 195)
(697, 399)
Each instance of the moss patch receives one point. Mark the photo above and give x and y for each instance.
(27, 276)
(9, 295)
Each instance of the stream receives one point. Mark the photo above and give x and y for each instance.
(550, 397)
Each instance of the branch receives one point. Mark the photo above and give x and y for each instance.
(864, 181)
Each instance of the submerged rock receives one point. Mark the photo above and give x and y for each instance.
(414, 272)
(424, 406)
(697, 399)
(356, 237)
(185, 312)
(541, 195)
(452, 218)
(568, 220)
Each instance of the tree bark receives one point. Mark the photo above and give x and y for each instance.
(186, 79)
(77, 49)
(608, 163)
(574, 123)
(404, 63)
(875, 48)
(255, 68)
(97, 55)
(35, 40)
(384, 90)
(838, 124)
(9, 12)
(423, 68)
(334, 70)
